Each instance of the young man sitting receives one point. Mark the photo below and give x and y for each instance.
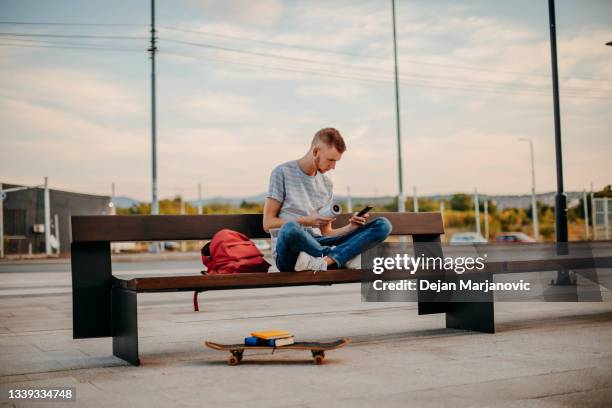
(306, 240)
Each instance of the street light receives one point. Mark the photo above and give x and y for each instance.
(534, 208)
(153, 50)
(401, 206)
(563, 276)
(560, 197)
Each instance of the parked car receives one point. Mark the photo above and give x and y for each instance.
(467, 238)
(171, 246)
(118, 247)
(513, 237)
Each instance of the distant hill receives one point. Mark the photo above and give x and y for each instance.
(259, 198)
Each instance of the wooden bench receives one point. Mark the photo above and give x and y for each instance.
(106, 306)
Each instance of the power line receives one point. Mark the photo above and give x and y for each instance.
(37, 41)
(381, 80)
(65, 47)
(416, 80)
(276, 56)
(267, 55)
(240, 51)
(104, 37)
(453, 83)
(71, 24)
(283, 68)
(377, 57)
(310, 61)
(306, 48)
(272, 43)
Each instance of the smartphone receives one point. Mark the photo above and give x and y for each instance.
(365, 210)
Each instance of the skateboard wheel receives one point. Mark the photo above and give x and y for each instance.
(237, 354)
(233, 360)
(318, 360)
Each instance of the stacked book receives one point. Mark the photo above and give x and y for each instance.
(269, 338)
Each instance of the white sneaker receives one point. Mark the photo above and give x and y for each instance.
(354, 263)
(307, 262)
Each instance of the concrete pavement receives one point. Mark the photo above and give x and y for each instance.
(544, 354)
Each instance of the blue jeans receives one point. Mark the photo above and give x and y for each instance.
(292, 240)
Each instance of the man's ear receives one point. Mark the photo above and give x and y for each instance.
(316, 150)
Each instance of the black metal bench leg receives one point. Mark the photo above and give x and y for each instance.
(125, 325)
(429, 302)
(91, 289)
(476, 316)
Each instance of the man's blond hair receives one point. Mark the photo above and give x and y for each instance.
(330, 137)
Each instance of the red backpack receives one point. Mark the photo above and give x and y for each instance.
(232, 252)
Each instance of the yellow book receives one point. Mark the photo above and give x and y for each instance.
(271, 334)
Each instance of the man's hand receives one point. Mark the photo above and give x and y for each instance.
(315, 220)
(356, 222)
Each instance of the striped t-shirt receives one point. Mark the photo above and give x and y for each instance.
(299, 193)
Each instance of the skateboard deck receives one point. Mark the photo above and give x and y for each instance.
(317, 349)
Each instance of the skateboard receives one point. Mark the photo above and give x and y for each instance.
(317, 349)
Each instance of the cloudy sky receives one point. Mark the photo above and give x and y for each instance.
(243, 85)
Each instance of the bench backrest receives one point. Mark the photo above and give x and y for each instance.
(104, 228)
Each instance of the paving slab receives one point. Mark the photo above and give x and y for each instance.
(543, 354)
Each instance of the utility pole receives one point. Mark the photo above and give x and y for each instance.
(113, 210)
(153, 50)
(534, 206)
(586, 215)
(57, 233)
(477, 211)
(442, 215)
(415, 200)
(199, 198)
(154, 204)
(183, 243)
(47, 206)
(401, 206)
(593, 213)
(606, 214)
(486, 218)
(349, 201)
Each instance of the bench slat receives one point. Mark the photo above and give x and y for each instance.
(119, 228)
(238, 281)
(336, 276)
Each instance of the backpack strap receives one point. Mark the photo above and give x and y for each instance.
(206, 249)
(196, 306)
